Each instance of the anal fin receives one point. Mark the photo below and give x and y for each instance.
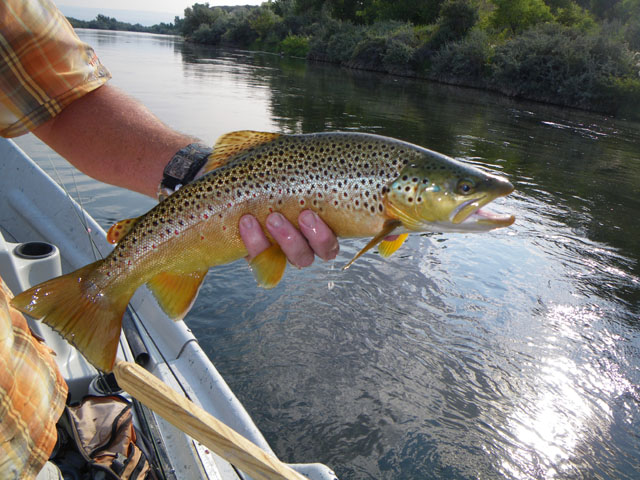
(269, 266)
(176, 292)
(388, 247)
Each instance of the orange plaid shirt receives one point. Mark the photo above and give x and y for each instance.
(32, 395)
(44, 66)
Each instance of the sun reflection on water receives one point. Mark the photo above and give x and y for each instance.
(568, 399)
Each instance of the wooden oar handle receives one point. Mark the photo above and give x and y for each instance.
(200, 425)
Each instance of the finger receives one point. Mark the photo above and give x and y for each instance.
(320, 237)
(252, 235)
(293, 244)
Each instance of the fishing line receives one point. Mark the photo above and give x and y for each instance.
(82, 218)
(84, 221)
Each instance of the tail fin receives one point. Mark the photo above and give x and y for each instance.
(89, 318)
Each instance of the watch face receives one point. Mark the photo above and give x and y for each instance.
(182, 168)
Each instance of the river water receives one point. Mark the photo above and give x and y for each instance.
(513, 354)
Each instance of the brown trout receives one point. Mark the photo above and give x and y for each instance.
(361, 185)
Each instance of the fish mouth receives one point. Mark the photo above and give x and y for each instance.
(491, 219)
(471, 212)
(466, 209)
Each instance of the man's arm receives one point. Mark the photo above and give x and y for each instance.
(115, 139)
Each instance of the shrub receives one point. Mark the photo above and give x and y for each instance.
(295, 46)
(334, 41)
(623, 95)
(518, 15)
(389, 48)
(424, 52)
(397, 57)
(463, 62)
(368, 54)
(560, 65)
(341, 46)
(632, 34)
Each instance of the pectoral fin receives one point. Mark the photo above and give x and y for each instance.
(269, 266)
(120, 229)
(176, 292)
(388, 247)
(387, 229)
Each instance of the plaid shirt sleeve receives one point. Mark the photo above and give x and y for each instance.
(32, 395)
(44, 66)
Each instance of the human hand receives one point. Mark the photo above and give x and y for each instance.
(300, 246)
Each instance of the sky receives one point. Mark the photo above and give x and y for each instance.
(145, 12)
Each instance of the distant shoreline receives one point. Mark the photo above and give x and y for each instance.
(560, 59)
(144, 18)
(103, 22)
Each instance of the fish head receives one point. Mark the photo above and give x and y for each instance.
(436, 193)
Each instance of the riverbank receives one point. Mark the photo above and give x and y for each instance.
(564, 56)
(556, 52)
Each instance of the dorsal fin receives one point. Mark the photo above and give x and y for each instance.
(120, 229)
(230, 144)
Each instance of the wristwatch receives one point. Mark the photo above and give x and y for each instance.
(183, 168)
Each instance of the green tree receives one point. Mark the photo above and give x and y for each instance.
(263, 21)
(601, 8)
(303, 6)
(417, 12)
(629, 12)
(518, 15)
(352, 10)
(239, 31)
(458, 17)
(573, 15)
(104, 23)
(283, 8)
(198, 14)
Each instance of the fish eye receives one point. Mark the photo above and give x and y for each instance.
(465, 187)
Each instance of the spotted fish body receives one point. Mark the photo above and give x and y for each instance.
(361, 185)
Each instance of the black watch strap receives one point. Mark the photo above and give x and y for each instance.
(183, 168)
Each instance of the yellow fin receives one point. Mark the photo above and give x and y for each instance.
(230, 144)
(176, 292)
(120, 229)
(89, 319)
(269, 266)
(389, 226)
(388, 247)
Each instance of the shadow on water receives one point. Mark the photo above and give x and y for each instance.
(513, 354)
